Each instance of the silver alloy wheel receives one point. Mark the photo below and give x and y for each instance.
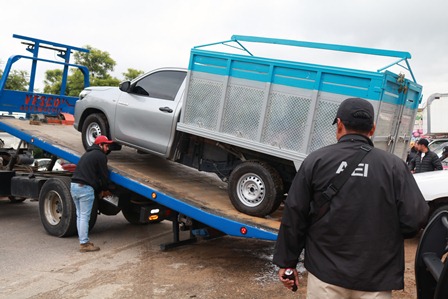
(53, 207)
(251, 190)
(93, 131)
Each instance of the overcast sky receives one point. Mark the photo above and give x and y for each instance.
(149, 34)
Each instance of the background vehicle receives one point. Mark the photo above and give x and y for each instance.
(437, 146)
(250, 120)
(433, 185)
(59, 165)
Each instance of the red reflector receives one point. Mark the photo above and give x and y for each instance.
(243, 230)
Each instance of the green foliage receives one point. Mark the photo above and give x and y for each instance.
(52, 81)
(98, 62)
(17, 80)
(75, 83)
(107, 81)
(132, 74)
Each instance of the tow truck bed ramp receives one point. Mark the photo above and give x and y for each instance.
(198, 195)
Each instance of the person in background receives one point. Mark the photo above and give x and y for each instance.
(425, 160)
(91, 176)
(444, 153)
(356, 249)
(412, 152)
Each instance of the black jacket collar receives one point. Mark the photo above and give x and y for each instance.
(356, 137)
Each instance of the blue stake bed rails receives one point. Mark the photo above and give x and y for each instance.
(289, 105)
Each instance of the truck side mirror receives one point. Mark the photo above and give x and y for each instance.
(124, 86)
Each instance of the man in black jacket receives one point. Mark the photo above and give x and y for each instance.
(425, 160)
(356, 249)
(91, 176)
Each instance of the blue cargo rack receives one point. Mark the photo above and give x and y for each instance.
(283, 108)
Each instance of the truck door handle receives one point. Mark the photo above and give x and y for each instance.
(166, 109)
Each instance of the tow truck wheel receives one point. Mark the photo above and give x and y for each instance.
(131, 214)
(57, 209)
(255, 188)
(94, 125)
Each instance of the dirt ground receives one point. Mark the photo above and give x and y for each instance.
(409, 276)
(221, 268)
(132, 265)
(228, 268)
(246, 272)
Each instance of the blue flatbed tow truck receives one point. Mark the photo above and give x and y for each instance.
(150, 189)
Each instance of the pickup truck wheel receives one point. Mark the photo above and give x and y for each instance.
(255, 188)
(57, 209)
(94, 126)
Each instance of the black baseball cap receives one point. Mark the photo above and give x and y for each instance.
(355, 111)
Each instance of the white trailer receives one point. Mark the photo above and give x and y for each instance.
(434, 115)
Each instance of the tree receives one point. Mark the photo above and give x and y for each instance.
(106, 81)
(53, 81)
(132, 74)
(98, 62)
(75, 83)
(17, 80)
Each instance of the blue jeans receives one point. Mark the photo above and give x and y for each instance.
(83, 196)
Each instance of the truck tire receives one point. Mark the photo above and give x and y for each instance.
(443, 207)
(57, 209)
(131, 213)
(94, 125)
(255, 188)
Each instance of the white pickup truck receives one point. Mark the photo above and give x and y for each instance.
(434, 187)
(250, 120)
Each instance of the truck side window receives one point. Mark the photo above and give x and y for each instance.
(162, 85)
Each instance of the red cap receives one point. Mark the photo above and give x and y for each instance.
(102, 139)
